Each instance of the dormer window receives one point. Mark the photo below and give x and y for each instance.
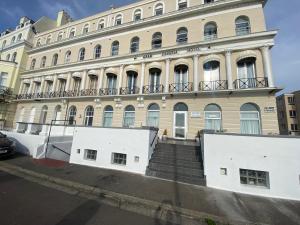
(182, 4)
(118, 20)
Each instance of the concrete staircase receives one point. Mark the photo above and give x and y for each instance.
(177, 161)
(59, 148)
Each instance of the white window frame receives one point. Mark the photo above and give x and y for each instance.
(87, 25)
(94, 154)
(154, 8)
(115, 19)
(134, 13)
(71, 30)
(177, 4)
(113, 155)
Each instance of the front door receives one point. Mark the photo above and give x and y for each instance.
(180, 125)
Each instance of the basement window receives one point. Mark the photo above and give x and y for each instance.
(254, 178)
(119, 158)
(90, 154)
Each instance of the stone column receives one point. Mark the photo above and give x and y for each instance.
(42, 84)
(120, 78)
(142, 78)
(167, 75)
(54, 83)
(196, 71)
(68, 83)
(267, 65)
(100, 79)
(229, 69)
(83, 80)
(21, 87)
(31, 87)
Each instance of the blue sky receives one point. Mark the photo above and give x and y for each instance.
(279, 15)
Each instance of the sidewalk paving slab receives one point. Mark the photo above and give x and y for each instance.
(229, 205)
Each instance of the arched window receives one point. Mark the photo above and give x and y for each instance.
(4, 44)
(153, 115)
(89, 116)
(210, 31)
(32, 65)
(68, 57)
(43, 116)
(182, 35)
(246, 73)
(115, 48)
(81, 54)
(182, 4)
(180, 107)
(132, 82)
(118, 20)
(213, 117)
(137, 15)
(108, 116)
(250, 119)
(13, 40)
(129, 116)
(156, 40)
(54, 59)
(158, 9)
(111, 84)
(60, 36)
(85, 29)
(72, 33)
(48, 40)
(7, 57)
(242, 25)
(14, 57)
(97, 52)
(38, 43)
(211, 75)
(135, 44)
(72, 115)
(101, 25)
(181, 78)
(43, 62)
(19, 37)
(57, 114)
(154, 80)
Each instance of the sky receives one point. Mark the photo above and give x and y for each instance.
(279, 15)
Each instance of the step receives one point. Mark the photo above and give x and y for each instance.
(178, 147)
(178, 162)
(170, 176)
(198, 171)
(191, 157)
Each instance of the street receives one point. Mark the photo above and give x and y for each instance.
(25, 203)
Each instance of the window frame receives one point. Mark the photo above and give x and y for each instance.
(119, 159)
(246, 176)
(90, 154)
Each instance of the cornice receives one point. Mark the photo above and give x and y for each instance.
(16, 45)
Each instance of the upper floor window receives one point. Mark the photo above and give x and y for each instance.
(43, 62)
(89, 116)
(137, 15)
(32, 65)
(134, 45)
(72, 33)
(54, 59)
(97, 52)
(101, 25)
(14, 57)
(156, 40)
(159, 9)
(38, 43)
(208, 1)
(115, 48)
(291, 100)
(242, 25)
(86, 29)
(81, 54)
(182, 35)
(118, 19)
(13, 40)
(68, 57)
(19, 37)
(8, 57)
(48, 40)
(182, 4)
(60, 36)
(3, 44)
(210, 31)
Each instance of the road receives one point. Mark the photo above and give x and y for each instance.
(25, 203)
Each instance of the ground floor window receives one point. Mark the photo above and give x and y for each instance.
(119, 158)
(108, 116)
(213, 117)
(90, 154)
(89, 116)
(250, 119)
(153, 115)
(254, 177)
(129, 116)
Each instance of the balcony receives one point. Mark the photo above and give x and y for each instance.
(108, 91)
(129, 90)
(213, 85)
(5, 92)
(246, 83)
(181, 87)
(152, 89)
(89, 92)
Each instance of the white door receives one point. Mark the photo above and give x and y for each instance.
(180, 125)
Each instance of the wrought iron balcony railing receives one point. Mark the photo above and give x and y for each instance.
(181, 87)
(151, 89)
(129, 90)
(213, 85)
(5, 91)
(108, 91)
(246, 83)
(89, 92)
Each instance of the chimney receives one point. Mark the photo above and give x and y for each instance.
(63, 18)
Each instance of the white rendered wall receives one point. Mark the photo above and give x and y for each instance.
(277, 155)
(133, 142)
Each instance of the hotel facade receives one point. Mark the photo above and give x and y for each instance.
(179, 65)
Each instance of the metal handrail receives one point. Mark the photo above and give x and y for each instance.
(54, 146)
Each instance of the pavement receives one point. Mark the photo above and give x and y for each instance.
(26, 203)
(156, 194)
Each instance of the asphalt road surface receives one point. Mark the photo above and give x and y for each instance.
(25, 203)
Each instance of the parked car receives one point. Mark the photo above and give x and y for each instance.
(7, 146)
